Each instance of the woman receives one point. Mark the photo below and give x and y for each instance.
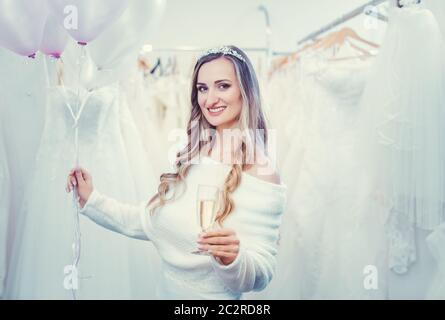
(226, 147)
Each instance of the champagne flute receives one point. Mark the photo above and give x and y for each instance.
(208, 198)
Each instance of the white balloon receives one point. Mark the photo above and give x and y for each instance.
(21, 25)
(54, 38)
(136, 26)
(82, 72)
(84, 20)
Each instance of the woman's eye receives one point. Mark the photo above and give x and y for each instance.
(202, 89)
(224, 86)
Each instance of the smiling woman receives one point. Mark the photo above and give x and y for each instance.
(225, 97)
(220, 99)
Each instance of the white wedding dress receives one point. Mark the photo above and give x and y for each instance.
(110, 267)
(330, 231)
(161, 108)
(282, 94)
(402, 129)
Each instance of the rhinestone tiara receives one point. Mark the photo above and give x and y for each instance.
(225, 51)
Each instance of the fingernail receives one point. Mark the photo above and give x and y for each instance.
(201, 247)
(74, 182)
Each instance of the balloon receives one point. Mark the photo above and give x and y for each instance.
(90, 77)
(54, 38)
(84, 20)
(21, 25)
(136, 26)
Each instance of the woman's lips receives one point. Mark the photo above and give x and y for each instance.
(216, 111)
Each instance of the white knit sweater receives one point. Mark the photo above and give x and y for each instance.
(174, 230)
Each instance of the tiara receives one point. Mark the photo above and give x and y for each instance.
(225, 51)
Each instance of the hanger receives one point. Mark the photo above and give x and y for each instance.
(157, 66)
(281, 62)
(364, 53)
(346, 36)
(144, 65)
(174, 64)
(170, 68)
(338, 38)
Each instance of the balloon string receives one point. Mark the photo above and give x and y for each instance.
(76, 114)
(45, 64)
(77, 234)
(76, 244)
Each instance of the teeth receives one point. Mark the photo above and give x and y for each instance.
(216, 109)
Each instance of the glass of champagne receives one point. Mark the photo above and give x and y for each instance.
(208, 198)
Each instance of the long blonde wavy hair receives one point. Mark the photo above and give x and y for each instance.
(200, 133)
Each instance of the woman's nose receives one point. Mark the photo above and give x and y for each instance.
(212, 98)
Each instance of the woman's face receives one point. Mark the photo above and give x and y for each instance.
(219, 94)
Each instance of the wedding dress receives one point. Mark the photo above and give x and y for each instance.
(110, 266)
(402, 129)
(160, 107)
(331, 233)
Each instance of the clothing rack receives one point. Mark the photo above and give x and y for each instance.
(266, 50)
(201, 49)
(346, 17)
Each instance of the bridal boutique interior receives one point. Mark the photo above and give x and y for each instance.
(354, 95)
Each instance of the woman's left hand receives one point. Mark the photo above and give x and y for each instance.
(221, 243)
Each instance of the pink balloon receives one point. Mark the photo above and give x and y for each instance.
(54, 38)
(21, 25)
(84, 20)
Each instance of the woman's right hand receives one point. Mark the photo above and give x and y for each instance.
(80, 179)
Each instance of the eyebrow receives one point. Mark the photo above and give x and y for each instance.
(216, 82)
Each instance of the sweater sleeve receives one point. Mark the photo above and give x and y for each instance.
(254, 266)
(252, 269)
(129, 220)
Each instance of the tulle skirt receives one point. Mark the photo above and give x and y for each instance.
(332, 234)
(402, 127)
